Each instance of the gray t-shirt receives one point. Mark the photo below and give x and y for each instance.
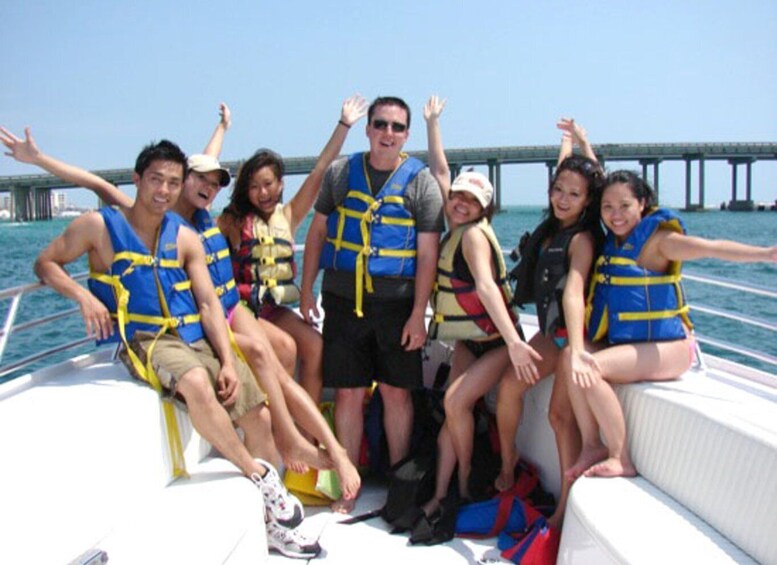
(422, 199)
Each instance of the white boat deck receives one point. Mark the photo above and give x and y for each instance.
(371, 542)
(84, 465)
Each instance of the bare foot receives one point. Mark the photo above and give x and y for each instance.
(343, 506)
(588, 456)
(350, 481)
(506, 478)
(297, 466)
(303, 455)
(611, 467)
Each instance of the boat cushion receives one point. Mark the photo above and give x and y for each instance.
(706, 453)
(86, 465)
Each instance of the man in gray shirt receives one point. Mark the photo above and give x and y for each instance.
(375, 233)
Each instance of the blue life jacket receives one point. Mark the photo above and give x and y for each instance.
(373, 236)
(217, 257)
(628, 303)
(144, 290)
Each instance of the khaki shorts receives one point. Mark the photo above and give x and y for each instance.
(172, 358)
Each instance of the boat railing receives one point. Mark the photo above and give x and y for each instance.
(753, 321)
(10, 327)
(16, 294)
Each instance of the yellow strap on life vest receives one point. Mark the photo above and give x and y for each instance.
(183, 285)
(397, 221)
(210, 232)
(147, 373)
(637, 281)
(211, 258)
(224, 288)
(145, 260)
(601, 330)
(397, 252)
(656, 315)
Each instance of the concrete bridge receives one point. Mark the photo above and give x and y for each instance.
(30, 194)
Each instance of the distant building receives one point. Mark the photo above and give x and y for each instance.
(58, 201)
(5, 201)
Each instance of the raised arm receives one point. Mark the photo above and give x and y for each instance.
(213, 148)
(438, 163)
(26, 151)
(353, 109)
(576, 135)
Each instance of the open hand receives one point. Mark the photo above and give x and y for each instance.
(434, 107)
(586, 371)
(225, 115)
(524, 359)
(23, 150)
(353, 109)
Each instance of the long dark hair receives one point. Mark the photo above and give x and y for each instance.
(638, 186)
(239, 205)
(590, 219)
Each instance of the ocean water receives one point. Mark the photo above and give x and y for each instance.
(22, 242)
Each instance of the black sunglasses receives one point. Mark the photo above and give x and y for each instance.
(382, 125)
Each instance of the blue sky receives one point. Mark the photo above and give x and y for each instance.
(97, 80)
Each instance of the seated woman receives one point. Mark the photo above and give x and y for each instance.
(553, 272)
(261, 229)
(637, 317)
(471, 305)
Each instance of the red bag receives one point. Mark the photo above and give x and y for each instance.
(538, 545)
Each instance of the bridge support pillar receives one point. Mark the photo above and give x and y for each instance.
(689, 205)
(654, 181)
(455, 170)
(551, 165)
(42, 199)
(22, 205)
(495, 177)
(747, 203)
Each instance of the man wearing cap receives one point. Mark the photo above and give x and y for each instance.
(375, 233)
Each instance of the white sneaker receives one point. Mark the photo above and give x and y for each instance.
(281, 506)
(291, 543)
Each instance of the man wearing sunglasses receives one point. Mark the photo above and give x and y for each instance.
(375, 233)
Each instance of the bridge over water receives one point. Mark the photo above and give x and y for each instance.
(30, 194)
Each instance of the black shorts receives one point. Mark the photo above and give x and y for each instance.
(358, 351)
(478, 348)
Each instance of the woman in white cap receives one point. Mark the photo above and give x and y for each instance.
(472, 306)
